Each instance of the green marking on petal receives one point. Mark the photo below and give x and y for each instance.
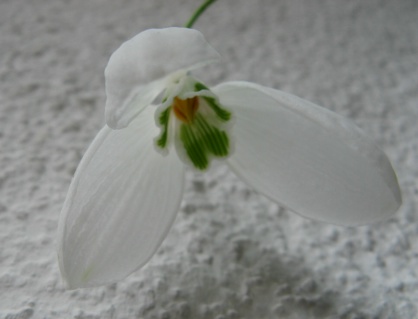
(200, 87)
(194, 148)
(213, 104)
(216, 141)
(202, 140)
(219, 111)
(163, 119)
(164, 116)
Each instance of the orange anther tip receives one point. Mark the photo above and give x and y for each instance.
(185, 110)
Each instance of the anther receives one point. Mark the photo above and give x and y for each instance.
(185, 110)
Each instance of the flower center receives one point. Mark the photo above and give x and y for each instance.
(197, 124)
(185, 110)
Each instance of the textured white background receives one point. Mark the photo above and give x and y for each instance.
(231, 253)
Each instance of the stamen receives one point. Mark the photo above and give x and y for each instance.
(185, 110)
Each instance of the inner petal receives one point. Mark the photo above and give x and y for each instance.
(192, 117)
(202, 141)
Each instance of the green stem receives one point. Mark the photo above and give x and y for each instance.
(198, 12)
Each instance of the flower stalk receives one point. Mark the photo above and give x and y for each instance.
(198, 13)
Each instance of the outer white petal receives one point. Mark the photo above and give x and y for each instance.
(152, 55)
(119, 113)
(307, 158)
(121, 203)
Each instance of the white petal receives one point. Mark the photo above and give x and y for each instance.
(121, 203)
(150, 56)
(307, 158)
(120, 113)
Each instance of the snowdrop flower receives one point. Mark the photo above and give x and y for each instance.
(128, 187)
